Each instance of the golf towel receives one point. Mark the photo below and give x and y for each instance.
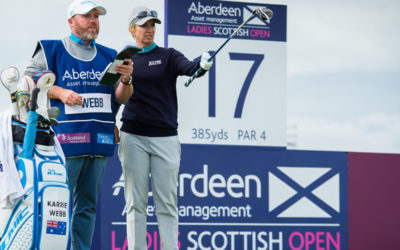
(10, 186)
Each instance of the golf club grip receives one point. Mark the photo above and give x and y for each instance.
(34, 97)
(194, 76)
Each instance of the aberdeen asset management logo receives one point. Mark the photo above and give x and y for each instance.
(118, 186)
(304, 192)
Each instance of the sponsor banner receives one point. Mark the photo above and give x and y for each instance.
(220, 19)
(241, 100)
(92, 103)
(105, 138)
(74, 138)
(84, 78)
(231, 237)
(236, 197)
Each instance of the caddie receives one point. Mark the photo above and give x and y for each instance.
(86, 120)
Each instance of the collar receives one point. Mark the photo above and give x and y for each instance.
(80, 41)
(149, 48)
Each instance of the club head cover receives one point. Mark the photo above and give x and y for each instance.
(43, 123)
(22, 100)
(44, 80)
(24, 89)
(53, 122)
(9, 77)
(26, 84)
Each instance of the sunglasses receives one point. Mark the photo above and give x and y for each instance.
(143, 14)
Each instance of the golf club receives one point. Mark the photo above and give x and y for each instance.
(263, 13)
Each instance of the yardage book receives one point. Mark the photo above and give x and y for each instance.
(110, 77)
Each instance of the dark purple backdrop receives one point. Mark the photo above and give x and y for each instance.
(374, 201)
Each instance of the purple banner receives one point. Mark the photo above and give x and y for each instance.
(74, 138)
(374, 201)
(234, 197)
(209, 18)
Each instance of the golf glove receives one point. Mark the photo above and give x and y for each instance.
(204, 64)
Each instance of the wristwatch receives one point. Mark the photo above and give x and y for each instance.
(127, 83)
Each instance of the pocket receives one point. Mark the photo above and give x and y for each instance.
(52, 171)
(54, 215)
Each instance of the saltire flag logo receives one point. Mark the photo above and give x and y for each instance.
(56, 227)
(305, 192)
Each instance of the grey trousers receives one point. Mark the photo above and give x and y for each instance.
(142, 156)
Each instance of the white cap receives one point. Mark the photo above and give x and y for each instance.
(84, 7)
(141, 15)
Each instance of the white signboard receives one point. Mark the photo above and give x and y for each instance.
(242, 99)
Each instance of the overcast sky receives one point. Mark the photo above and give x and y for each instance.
(343, 62)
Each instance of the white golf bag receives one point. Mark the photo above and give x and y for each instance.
(41, 218)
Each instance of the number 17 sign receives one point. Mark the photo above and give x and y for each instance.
(242, 99)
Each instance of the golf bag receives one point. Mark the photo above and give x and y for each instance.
(41, 218)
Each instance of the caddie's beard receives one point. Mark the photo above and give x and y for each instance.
(85, 34)
(89, 36)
